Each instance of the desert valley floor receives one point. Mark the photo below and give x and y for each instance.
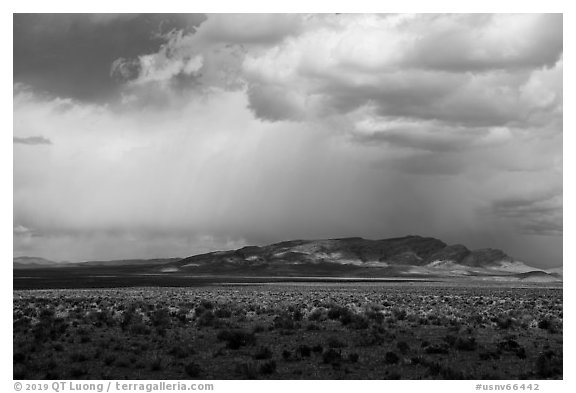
(390, 330)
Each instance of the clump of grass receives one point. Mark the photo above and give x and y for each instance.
(161, 320)
(20, 372)
(353, 357)
(193, 369)
(334, 342)
(450, 339)
(304, 350)
(48, 327)
(247, 370)
(122, 362)
(504, 322)
(236, 338)
(77, 372)
(510, 345)
(263, 353)
(391, 358)
(223, 312)
(331, 356)
(207, 318)
(317, 315)
(375, 316)
(132, 321)
(268, 367)
(347, 317)
(548, 365)
(313, 327)
(376, 335)
(549, 324)
(259, 328)
(285, 321)
(339, 313)
(437, 349)
(19, 357)
(465, 344)
(488, 355)
(403, 346)
(78, 357)
(156, 364)
(399, 313)
(109, 359)
(181, 351)
(52, 374)
(206, 304)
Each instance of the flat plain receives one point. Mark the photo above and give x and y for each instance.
(290, 331)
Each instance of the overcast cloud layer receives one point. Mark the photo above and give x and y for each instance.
(169, 135)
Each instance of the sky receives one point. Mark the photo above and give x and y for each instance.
(169, 135)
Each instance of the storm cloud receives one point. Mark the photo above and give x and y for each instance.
(218, 131)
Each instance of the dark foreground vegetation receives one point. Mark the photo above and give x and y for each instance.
(359, 331)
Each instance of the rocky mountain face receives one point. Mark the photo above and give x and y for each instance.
(414, 256)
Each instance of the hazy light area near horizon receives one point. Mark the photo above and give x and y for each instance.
(169, 135)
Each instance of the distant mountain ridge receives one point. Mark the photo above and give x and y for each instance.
(403, 256)
(32, 262)
(36, 263)
(408, 250)
(406, 257)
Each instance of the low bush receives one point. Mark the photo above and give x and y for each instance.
(334, 342)
(193, 369)
(548, 365)
(236, 338)
(263, 353)
(247, 370)
(353, 357)
(331, 356)
(437, 349)
(304, 350)
(403, 346)
(268, 367)
(391, 358)
(465, 344)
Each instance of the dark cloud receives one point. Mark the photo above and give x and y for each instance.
(246, 29)
(428, 164)
(33, 140)
(541, 214)
(274, 104)
(427, 136)
(70, 54)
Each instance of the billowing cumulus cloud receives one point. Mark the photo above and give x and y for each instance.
(399, 65)
(248, 129)
(157, 67)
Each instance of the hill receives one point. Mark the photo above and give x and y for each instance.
(409, 256)
(413, 257)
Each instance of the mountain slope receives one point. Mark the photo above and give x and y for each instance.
(41, 263)
(409, 256)
(32, 263)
